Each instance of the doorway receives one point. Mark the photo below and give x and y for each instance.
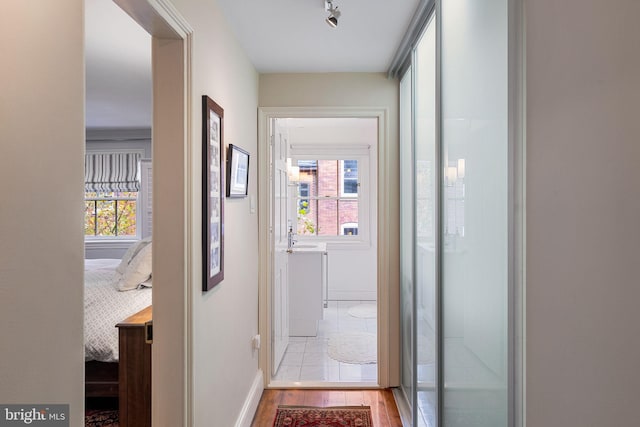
(320, 285)
(172, 207)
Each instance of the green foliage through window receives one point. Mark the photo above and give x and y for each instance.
(110, 214)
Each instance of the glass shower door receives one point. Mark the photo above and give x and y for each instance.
(474, 212)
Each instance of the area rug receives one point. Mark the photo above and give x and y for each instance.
(336, 416)
(364, 311)
(354, 347)
(101, 418)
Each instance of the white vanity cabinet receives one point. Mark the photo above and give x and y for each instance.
(307, 281)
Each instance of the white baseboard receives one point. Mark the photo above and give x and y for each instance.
(251, 402)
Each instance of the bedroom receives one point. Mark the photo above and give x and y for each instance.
(118, 212)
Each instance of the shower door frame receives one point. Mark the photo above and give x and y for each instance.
(516, 200)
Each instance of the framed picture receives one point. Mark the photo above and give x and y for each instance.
(212, 197)
(237, 172)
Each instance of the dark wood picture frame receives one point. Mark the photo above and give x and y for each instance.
(237, 172)
(212, 193)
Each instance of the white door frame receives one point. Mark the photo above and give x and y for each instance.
(388, 316)
(173, 234)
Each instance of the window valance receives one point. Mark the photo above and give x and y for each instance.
(112, 172)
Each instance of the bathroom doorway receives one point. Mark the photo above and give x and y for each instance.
(322, 286)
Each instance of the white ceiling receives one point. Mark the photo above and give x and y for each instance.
(118, 68)
(278, 36)
(292, 35)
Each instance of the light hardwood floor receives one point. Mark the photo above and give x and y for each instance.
(384, 412)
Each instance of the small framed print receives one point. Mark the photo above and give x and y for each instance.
(212, 197)
(237, 171)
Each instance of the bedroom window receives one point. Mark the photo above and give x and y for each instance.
(110, 214)
(112, 190)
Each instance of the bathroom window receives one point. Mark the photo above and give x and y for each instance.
(328, 197)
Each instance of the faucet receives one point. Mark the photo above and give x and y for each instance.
(290, 239)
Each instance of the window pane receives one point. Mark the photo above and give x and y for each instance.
(328, 218)
(127, 194)
(347, 216)
(349, 177)
(307, 219)
(89, 218)
(351, 169)
(106, 215)
(350, 186)
(308, 178)
(303, 197)
(328, 178)
(350, 231)
(126, 218)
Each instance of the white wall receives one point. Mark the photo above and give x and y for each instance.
(225, 318)
(355, 90)
(41, 180)
(583, 157)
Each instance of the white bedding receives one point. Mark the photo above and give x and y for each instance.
(105, 306)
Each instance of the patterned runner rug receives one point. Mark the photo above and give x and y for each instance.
(101, 418)
(310, 416)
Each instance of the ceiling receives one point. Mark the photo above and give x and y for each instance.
(292, 35)
(118, 68)
(277, 35)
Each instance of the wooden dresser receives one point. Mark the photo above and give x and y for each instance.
(134, 371)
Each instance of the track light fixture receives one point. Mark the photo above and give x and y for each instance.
(334, 13)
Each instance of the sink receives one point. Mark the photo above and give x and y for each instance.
(308, 247)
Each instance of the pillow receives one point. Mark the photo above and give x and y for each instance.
(131, 253)
(148, 283)
(138, 270)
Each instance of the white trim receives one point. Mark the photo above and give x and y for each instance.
(163, 21)
(97, 244)
(251, 402)
(265, 115)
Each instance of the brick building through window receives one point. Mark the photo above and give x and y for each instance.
(328, 197)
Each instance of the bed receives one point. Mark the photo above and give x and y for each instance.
(117, 343)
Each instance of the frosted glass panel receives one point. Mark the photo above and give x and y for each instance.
(425, 221)
(474, 212)
(406, 237)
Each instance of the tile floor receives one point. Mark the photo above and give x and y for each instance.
(306, 358)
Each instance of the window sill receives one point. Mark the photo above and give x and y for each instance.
(338, 244)
(109, 243)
